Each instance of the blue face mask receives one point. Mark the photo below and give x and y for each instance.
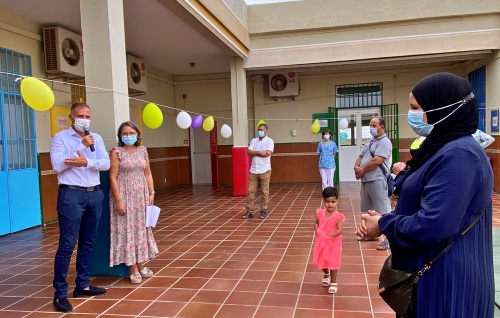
(416, 121)
(326, 137)
(129, 140)
(373, 132)
(261, 133)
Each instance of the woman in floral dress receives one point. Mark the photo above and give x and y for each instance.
(131, 190)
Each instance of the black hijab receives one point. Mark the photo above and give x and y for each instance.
(436, 91)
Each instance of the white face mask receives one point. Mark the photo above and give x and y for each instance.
(81, 124)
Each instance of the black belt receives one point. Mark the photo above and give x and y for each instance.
(88, 189)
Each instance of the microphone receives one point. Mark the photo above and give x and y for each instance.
(87, 132)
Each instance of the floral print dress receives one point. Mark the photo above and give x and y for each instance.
(131, 241)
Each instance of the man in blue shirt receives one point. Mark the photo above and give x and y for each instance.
(77, 156)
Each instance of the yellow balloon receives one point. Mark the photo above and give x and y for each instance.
(208, 123)
(36, 94)
(260, 122)
(315, 127)
(152, 116)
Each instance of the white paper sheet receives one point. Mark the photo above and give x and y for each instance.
(152, 214)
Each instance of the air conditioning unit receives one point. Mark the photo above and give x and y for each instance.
(283, 84)
(63, 53)
(136, 73)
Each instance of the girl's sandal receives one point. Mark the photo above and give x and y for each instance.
(326, 280)
(333, 288)
(136, 278)
(146, 272)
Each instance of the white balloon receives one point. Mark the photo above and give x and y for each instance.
(343, 123)
(226, 131)
(183, 120)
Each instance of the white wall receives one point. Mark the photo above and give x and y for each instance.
(492, 91)
(160, 92)
(209, 95)
(320, 14)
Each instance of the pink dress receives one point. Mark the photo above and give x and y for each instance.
(327, 250)
(131, 241)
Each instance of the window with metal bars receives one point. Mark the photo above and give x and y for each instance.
(78, 93)
(477, 79)
(358, 95)
(17, 124)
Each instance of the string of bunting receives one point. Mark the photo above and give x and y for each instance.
(39, 96)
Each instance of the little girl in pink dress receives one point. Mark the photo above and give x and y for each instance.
(328, 243)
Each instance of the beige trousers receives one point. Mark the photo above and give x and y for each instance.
(253, 182)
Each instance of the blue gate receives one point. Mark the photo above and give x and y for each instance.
(19, 179)
(477, 78)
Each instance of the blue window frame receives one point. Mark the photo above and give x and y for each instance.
(19, 176)
(477, 78)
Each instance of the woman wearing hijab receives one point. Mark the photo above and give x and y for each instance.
(448, 185)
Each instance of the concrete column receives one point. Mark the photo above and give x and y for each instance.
(239, 102)
(240, 159)
(103, 35)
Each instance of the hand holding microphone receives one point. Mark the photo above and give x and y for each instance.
(89, 140)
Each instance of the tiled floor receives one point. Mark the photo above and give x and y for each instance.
(213, 264)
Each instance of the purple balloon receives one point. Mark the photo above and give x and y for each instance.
(197, 120)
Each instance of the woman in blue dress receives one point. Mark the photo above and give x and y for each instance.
(448, 185)
(327, 150)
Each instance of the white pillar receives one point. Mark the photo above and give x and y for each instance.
(239, 102)
(103, 35)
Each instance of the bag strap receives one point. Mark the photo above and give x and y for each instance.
(381, 166)
(428, 265)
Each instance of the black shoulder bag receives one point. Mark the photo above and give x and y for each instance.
(390, 180)
(397, 287)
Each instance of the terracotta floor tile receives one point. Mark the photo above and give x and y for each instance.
(157, 282)
(310, 313)
(323, 302)
(284, 287)
(174, 294)
(211, 296)
(29, 304)
(199, 310)
(201, 272)
(117, 292)
(258, 275)
(355, 314)
(244, 298)
(24, 290)
(95, 306)
(232, 311)
(13, 314)
(279, 300)
(220, 284)
(146, 293)
(190, 282)
(252, 285)
(162, 309)
(40, 315)
(128, 307)
(288, 276)
(352, 303)
(274, 312)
